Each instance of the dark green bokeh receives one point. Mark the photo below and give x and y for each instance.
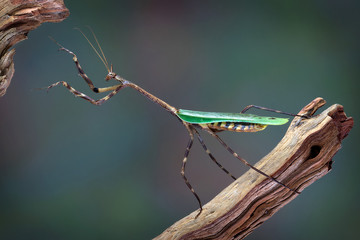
(71, 170)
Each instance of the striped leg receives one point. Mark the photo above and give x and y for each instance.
(77, 64)
(271, 110)
(86, 78)
(100, 101)
(187, 151)
(245, 162)
(212, 156)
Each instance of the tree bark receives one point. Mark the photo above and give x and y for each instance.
(301, 157)
(18, 17)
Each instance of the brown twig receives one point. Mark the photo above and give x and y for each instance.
(18, 17)
(303, 155)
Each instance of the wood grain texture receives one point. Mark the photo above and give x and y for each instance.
(303, 155)
(17, 18)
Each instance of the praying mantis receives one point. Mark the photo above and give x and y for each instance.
(193, 121)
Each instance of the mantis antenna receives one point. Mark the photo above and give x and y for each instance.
(102, 58)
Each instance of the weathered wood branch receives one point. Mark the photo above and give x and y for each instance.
(17, 18)
(301, 157)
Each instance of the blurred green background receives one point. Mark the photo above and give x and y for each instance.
(72, 170)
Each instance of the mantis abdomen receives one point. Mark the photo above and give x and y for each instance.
(236, 126)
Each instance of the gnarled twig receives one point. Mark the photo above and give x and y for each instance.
(17, 18)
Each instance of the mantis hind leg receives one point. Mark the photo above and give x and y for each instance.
(245, 162)
(271, 110)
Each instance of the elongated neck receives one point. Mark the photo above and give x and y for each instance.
(152, 98)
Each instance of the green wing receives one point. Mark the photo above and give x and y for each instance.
(199, 117)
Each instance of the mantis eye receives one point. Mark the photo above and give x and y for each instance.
(110, 75)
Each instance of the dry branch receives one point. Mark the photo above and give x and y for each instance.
(301, 157)
(18, 17)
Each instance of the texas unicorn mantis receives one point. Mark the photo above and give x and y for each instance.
(210, 122)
